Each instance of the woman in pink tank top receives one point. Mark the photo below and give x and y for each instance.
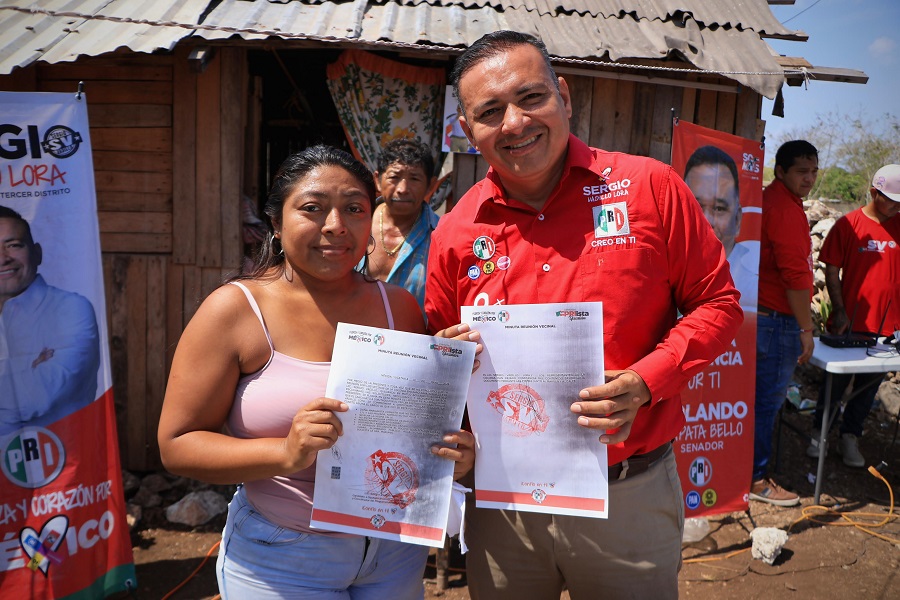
(254, 361)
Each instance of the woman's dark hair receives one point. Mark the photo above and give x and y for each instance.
(294, 168)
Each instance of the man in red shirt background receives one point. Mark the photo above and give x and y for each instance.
(557, 221)
(862, 274)
(784, 326)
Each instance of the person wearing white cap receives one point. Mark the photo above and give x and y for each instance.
(862, 273)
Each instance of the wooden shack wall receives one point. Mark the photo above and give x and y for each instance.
(168, 158)
(636, 117)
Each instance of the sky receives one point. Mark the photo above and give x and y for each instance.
(853, 34)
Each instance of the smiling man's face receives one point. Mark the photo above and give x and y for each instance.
(19, 259)
(516, 116)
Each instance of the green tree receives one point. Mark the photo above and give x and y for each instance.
(850, 151)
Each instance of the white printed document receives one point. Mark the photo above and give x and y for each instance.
(531, 454)
(405, 392)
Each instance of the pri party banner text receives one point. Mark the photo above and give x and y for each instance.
(62, 509)
(715, 448)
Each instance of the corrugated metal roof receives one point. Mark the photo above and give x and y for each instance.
(27, 37)
(567, 35)
(723, 35)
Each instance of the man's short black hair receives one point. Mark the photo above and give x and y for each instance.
(8, 213)
(713, 155)
(409, 152)
(791, 151)
(490, 45)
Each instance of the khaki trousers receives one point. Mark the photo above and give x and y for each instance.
(635, 553)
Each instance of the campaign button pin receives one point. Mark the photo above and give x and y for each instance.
(692, 500)
(503, 263)
(474, 272)
(488, 268)
(710, 497)
(484, 247)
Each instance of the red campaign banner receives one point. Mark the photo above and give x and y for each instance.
(715, 449)
(63, 532)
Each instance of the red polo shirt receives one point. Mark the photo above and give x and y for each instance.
(785, 249)
(620, 229)
(869, 256)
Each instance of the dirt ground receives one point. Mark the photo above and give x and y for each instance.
(823, 559)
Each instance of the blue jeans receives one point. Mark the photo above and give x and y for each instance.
(261, 560)
(777, 351)
(865, 387)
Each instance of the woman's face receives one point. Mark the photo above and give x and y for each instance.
(325, 223)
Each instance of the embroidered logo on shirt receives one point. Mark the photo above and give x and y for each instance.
(611, 220)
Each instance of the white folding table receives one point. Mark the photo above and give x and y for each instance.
(846, 361)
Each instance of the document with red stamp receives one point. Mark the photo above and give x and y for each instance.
(405, 391)
(531, 454)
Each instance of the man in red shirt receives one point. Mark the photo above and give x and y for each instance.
(862, 273)
(784, 327)
(556, 221)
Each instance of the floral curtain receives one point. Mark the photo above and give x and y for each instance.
(379, 100)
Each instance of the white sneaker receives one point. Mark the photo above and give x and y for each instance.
(812, 450)
(848, 448)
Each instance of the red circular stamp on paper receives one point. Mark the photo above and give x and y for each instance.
(393, 477)
(521, 408)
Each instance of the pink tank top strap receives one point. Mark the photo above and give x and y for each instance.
(258, 313)
(387, 305)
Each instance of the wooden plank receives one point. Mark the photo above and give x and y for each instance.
(114, 270)
(135, 222)
(192, 292)
(105, 71)
(156, 353)
(661, 131)
(144, 162)
(131, 201)
(136, 347)
(209, 166)
(581, 89)
(623, 117)
(642, 122)
(725, 111)
(184, 160)
(133, 139)
(688, 104)
(706, 109)
(115, 92)
(603, 122)
(120, 59)
(130, 181)
(232, 158)
(136, 243)
(463, 177)
(481, 168)
(175, 322)
(20, 80)
(210, 280)
(749, 104)
(130, 115)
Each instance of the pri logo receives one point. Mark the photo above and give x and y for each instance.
(539, 496)
(503, 316)
(33, 458)
(377, 521)
(611, 220)
(378, 340)
(701, 471)
(484, 247)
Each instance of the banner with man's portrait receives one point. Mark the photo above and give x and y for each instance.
(63, 532)
(715, 448)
